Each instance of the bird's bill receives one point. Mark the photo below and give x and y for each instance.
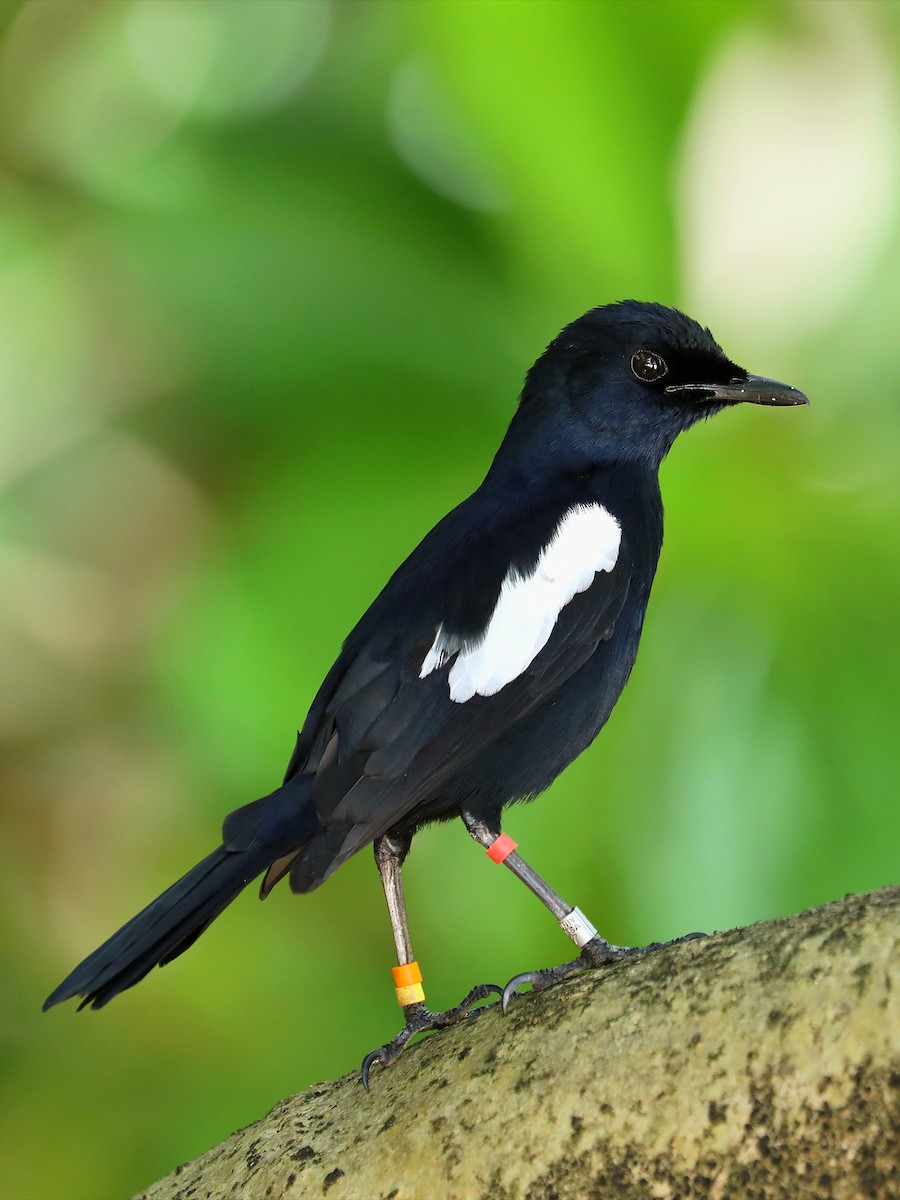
(755, 389)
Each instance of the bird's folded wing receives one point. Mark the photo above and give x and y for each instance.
(392, 722)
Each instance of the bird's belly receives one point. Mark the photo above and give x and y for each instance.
(553, 736)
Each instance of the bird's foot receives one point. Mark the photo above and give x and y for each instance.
(419, 1019)
(595, 953)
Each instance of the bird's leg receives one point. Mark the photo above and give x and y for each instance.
(390, 851)
(595, 950)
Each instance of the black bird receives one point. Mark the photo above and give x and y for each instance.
(493, 656)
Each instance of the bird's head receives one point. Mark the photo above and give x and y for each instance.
(625, 379)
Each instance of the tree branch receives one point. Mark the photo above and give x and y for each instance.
(763, 1063)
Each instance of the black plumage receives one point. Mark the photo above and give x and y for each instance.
(386, 746)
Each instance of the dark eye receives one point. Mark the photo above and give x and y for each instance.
(648, 366)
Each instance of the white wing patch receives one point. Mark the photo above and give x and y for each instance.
(586, 541)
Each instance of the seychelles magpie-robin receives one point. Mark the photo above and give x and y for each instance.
(492, 657)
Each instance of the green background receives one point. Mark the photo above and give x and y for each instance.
(270, 277)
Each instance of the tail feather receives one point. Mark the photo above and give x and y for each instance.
(270, 831)
(164, 929)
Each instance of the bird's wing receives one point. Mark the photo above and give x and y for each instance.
(482, 624)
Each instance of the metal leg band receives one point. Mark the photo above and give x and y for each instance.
(576, 926)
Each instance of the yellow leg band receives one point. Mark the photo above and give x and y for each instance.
(411, 993)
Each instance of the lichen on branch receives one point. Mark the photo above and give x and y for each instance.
(763, 1062)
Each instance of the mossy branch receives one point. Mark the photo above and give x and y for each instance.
(763, 1062)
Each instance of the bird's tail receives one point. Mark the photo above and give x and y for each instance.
(174, 921)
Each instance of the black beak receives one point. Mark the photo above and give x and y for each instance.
(754, 389)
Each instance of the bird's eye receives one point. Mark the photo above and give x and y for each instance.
(648, 366)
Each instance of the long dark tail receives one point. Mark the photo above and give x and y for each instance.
(174, 921)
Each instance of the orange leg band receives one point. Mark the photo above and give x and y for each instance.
(501, 848)
(406, 974)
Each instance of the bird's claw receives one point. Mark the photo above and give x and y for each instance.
(517, 981)
(595, 953)
(419, 1019)
(386, 1054)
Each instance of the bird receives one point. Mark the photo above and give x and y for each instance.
(490, 660)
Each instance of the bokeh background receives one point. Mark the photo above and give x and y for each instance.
(270, 275)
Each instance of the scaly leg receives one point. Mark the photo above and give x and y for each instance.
(595, 950)
(390, 851)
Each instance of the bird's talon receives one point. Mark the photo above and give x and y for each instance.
(595, 953)
(368, 1063)
(419, 1019)
(513, 986)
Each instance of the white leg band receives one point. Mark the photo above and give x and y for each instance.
(576, 925)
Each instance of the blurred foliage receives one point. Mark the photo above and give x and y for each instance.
(270, 276)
